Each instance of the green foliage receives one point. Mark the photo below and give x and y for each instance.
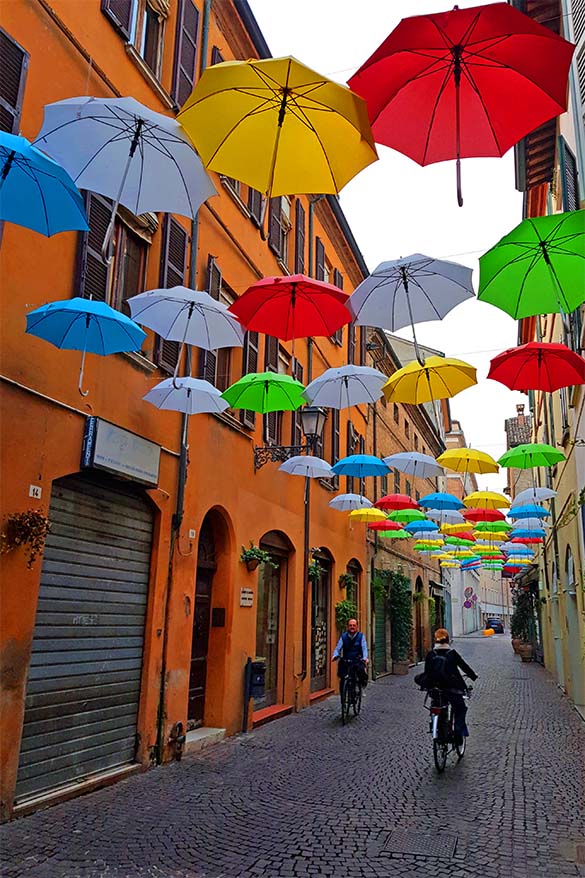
(344, 611)
(314, 571)
(346, 580)
(432, 614)
(523, 619)
(400, 605)
(27, 529)
(255, 553)
(381, 583)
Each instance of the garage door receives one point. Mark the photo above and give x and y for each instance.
(380, 663)
(83, 686)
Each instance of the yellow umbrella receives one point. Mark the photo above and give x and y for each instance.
(486, 500)
(367, 515)
(468, 460)
(438, 378)
(490, 537)
(450, 564)
(454, 529)
(278, 126)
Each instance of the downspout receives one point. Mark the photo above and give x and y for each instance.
(179, 512)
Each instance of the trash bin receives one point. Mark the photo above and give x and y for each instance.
(258, 681)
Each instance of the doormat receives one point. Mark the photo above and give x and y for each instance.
(413, 841)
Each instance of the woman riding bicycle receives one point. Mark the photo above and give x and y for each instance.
(442, 666)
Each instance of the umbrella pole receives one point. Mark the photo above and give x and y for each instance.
(457, 75)
(107, 256)
(410, 314)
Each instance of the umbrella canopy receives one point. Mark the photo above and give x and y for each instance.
(538, 366)
(367, 515)
(278, 126)
(533, 495)
(407, 515)
(451, 529)
(265, 392)
(445, 516)
(538, 268)
(530, 510)
(467, 460)
(36, 192)
(530, 455)
(496, 526)
(385, 525)
(360, 466)
(486, 500)
(483, 515)
(396, 501)
(434, 86)
(440, 500)
(187, 316)
(438, 378)
(189, 395)
(305, 465)
(292, 307)
(530, 524)
(395, 535)
(420, 526)
(345, 386)
(349, 502)
(419, 466)
(526, 540)
(528, 533)
(459, 541)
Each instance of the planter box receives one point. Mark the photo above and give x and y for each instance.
(400, 668)
(526, 652)
(515, 644)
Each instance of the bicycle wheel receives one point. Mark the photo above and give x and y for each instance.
(460, 748)
(345, 693)
(357, 701)
(440, 755)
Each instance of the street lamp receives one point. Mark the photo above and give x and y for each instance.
(312, 423)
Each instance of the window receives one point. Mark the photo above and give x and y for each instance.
(185, 51)
(350, 342)
(363, 341)
(569, 176)
(255, 205)
(397, 481)
(279, 227)
(564, 408)
(172, 274)
(249, 364)
(151, 43)
(416, 442)
(417, 496)
(130, 262)
(12, 78)
(569, 570)
(338, 282)
(215, 366)
(141, 23)
(299, 237)
(272, 420)
(350, 444)
(296, 427)
(384, 485)
(407, 429)
(396, 414)
(407, 488)
(334, 456)
(216, 56)
(319, 259)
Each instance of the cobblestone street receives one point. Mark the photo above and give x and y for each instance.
(305, 796)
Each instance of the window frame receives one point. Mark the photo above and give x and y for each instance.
(16, 110)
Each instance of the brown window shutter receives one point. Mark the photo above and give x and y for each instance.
(363, 340)
(397, 481)
(185, 51)
(208, 366)
(296, 428)
(351, 343)
(255, 204)
(362, 450)
(335, 441)
(213, 278)
(338, 282)
(216, 56)
(172, 274)
(13, 69)
(119, 12)
(319, 259)
(275, 233)
(570, 176)
(350, 449)
(208, 359)
(249, 364)
(272, 420)
(93, 273)
(299, 237)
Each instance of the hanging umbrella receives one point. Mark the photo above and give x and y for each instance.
(421, 526)
(278, 126)
(530, 510)
(534, 495)
(308, 466)
(419, 466)
(366, 515)
(436, 87)
(359, 466)
(407, 515)
(189, 395)
(438, 378)
(395, 535)
(349, 502)
(385, 525)
(292, 307)
(459, 541)
(467, 460)
(425, 546)
(531, 455)
(85, 325)
(483, 514)
(440, 500)
(265, 392)
(538, 268)
(528, 533)
(36, 192)
(445, 516)
(526, 540)
(452, 529)
(339, 388)
(530, 524)
(396, 501)
(410, 290)
(490, 526)
(127, 152)
(486, 500)
(538, 366)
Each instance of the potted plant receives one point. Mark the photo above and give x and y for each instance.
(344, 611)
(346, 580)
(400, 605)
(314, 571)
(254, 556)
(28, 529)
(523, 625)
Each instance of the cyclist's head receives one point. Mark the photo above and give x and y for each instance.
(352, 626)
(441, 635)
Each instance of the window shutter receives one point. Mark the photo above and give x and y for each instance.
(275, 226)
(296, 428)
(271, 419)
(93, 273)
(216, 56)
(255, 204)
(407, 488)
(299, 237)
(338, 282)
(349, 449)
(363, 340)
(350, 342)
(172, 274)
(119, 13)
(249, 364)
(362, 450)
(12, 78)
(570, 176)
(335, 443)
(397, 481)
(185, 51)
(213, 278)
(319, 259)
(208, 359)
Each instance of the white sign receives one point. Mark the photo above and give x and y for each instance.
(35, 491)
(246, 597)
(119, 451)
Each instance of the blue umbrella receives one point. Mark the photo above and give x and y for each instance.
(35, 191)
(526, 533)
(421, 525)
(441, 501)
(360, 466)
(531, 510)
(85, 325)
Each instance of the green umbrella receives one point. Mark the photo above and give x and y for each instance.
(394, 534)
(528, 456)
(492, 526)
(406, 515)
(538, 268)
(457, 541)
(265, 392)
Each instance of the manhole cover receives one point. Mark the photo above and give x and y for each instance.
(412, 841)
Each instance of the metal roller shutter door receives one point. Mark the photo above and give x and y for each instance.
(83, 686)
(380, 665)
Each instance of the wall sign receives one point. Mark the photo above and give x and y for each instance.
(111, 448)
(246, 597)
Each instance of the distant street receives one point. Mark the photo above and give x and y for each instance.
(305, 796)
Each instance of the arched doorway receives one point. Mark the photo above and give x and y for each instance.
(418, 624)
(206, 567)
(320, 588)
(271, 614)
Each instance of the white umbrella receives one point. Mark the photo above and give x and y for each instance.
(345, 386)
(533, 495)
(445, 516)
(349, 502)
(190, 395)
(420, 466)
(425, 536)
(529, 524)
(308, 466)
(127, 152)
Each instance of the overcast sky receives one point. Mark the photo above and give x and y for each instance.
(395, 207)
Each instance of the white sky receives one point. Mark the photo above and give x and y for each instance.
(395, 207)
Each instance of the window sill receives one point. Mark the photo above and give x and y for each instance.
(325, 483)
(151, 79)
(140, 360)
(233, 424)
(242, 206)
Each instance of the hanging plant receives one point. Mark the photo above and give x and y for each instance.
(314, 571)
(28, 529)
(346, 580)
(344, 611)
(381, 582)
(254, 556)
(418, 597)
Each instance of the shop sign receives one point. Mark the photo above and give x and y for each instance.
(108, 447)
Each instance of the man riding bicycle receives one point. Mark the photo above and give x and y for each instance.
(352, 647)
(442, 666)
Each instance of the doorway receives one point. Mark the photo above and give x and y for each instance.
(267, 630)
(319, 626)
(206, 567)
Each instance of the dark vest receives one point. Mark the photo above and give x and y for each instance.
(352, 649)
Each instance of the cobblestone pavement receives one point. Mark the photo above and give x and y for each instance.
(306, 796)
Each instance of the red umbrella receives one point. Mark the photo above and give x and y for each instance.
(292, 307)
(470, 82)
(526, 540)
(396, 501)
(483, 515)
(538, 366)
(385, 525)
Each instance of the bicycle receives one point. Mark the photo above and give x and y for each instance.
(442, 728)
(350, 691)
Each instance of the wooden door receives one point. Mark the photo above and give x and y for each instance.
(199, 646)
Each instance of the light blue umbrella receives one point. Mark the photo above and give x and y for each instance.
(36, 192)
(85, 325)
(360, 465)
(530, 510)
(441, 500)
(526, 533)
(421, 526)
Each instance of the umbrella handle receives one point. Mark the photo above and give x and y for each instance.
(107, 254)
(176, 372)
(79, 386)
(458, 171)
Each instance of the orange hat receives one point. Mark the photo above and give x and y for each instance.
(441, 635)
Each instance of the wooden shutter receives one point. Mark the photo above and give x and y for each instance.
(249, 364)
(119, 12)
(296, 428)
(93, 273)
(350, 342)
(363, 341)
(570, 176)
(255, 204)
(172, 274)
(275, 231)
(335, 443)
(213, 278)
(299, 237)
(407, 488)
(362, 450)
(185, 51)
(13, 69)
(319, 259)
(216, 56)
(349, 449)
(338, 281)
(208, 359)
(397, 481)
(272, 419)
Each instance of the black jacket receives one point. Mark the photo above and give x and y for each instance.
(454, 662)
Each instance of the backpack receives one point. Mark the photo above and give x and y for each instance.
(437, 675)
